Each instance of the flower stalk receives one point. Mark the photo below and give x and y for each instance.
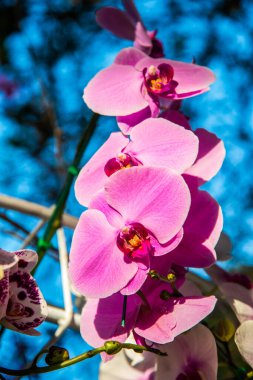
(110, 348)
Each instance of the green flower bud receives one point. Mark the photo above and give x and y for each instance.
(56, 355)
(224, 330)
(112, 347)
(153, 274)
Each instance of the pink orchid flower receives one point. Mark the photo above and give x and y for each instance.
(135, 82)
(128, 25)
(156, 142)
(156, 314)
(22, 306)
(140, 214)
(190, 356)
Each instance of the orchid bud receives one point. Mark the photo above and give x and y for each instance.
(112, 347)
(56, 355)
(224, 330)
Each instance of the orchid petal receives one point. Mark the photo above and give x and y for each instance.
(196, 349)
(92, 177)
(201, 232)
(142, 39)
(27, 259)
(172, 317)
(176, 117)
(101, 319)
(126, 123)
(158, 142)
(192, 79)
(4, 294)
(7, 259)
(162, 249)
(97, 267)
(99, 203)
(244, 341)
(131, 10)
(136, 282)
(129, 56)
(210, 157)
(117, 22)
(115, 90)
(155, 197)
(27, 308)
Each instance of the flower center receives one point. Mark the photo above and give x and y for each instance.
(122, 161)
(159, 80)
(133, 240)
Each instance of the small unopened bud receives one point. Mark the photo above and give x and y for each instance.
(224, 330)
(112, 347)
(164, 295)
(171, 277)
(56, 355)
(153, 274)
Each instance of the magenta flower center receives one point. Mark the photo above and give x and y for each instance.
(122, 161)
(159, 80)
(133, 240)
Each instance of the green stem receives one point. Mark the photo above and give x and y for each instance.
(55, 220)
(110, 347)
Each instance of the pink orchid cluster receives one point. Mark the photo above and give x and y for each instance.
(147, 218)
(22, 306)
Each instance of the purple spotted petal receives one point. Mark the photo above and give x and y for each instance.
(27, 308)
(27, 259)
(4, 293)
(7, 259)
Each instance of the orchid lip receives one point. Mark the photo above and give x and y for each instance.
(159, 80)
(122, 161)
(133, 240)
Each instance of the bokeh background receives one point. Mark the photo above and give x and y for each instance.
(48, 52)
